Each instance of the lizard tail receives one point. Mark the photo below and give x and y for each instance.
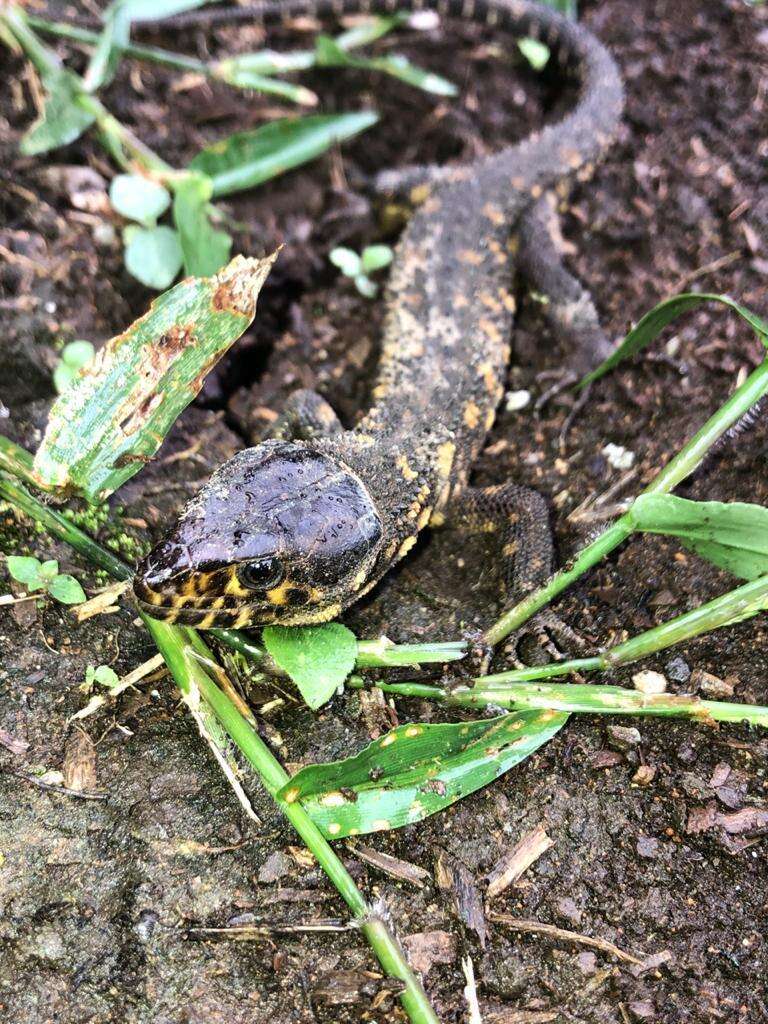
(565, 149)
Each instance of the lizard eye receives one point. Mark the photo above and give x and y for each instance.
(263, 574)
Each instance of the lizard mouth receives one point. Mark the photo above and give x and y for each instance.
(201, 610)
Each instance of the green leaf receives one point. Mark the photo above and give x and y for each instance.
(104, 675)
(26, 569)
(66, 590)
(245, 72)
(415, 770)
(103, 429)
(63, 120)
(249, 158)
(654, 322)
(138, 198)
(317, 658)
(375, 257)
(77, 353)
(205, 249)
(371, 29)
(347, 260)
(566, 7)
(331, 54)
(535, 52)
(732, 535)
(49, 570)
(366, 286)
(153, 256)
(153, 10)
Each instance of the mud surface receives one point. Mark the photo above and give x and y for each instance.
(96, 894)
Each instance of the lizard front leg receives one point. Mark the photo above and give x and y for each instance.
(305, 417)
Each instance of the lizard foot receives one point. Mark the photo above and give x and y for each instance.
(543, 639)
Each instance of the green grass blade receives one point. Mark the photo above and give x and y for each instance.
(254, 71)
(331, 55)
(415, 770)
(249, 158)
(657, 319)
(732, 535)
(115, 415)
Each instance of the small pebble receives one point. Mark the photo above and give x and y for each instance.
(517, 400)
(678, 670)
(642, 1011)
(618, 456)
(567, 909)
(644, 775)
(104, 234)
(623, 737)
(587, 963)
(647, 847)
(710, 685)
(649, 682)
(686, 754)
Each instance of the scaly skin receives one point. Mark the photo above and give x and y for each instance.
(294, 531)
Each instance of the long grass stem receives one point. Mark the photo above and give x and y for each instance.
(186, 654)
(678, 468)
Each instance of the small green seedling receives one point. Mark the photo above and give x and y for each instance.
(74, 356)
(37, 575)
(153, 252)
(358, 267)
(101, 674)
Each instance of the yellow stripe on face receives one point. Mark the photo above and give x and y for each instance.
(234, 587)
(279, 595)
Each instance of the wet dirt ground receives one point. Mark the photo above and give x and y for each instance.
(95, 895)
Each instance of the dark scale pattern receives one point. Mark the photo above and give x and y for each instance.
(446, 345)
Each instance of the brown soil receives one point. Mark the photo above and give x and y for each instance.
(95, 895)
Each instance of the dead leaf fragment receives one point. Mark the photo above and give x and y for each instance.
(80, 763)
(11, 743)
(393, 866)
(425, 949)
(452, 876)
(512, 865)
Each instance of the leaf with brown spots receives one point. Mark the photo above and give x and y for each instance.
(116, 413)
(415, 770)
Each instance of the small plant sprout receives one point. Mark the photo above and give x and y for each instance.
(101, 674)
(74, 356)
(36, 575)
(359, 267)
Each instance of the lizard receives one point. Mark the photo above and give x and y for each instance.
(296, 528)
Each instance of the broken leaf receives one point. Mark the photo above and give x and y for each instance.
(115, 416)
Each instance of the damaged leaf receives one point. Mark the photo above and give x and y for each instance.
(415, 770)
(115, 416)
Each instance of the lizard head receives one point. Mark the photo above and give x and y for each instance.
(281, 533)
